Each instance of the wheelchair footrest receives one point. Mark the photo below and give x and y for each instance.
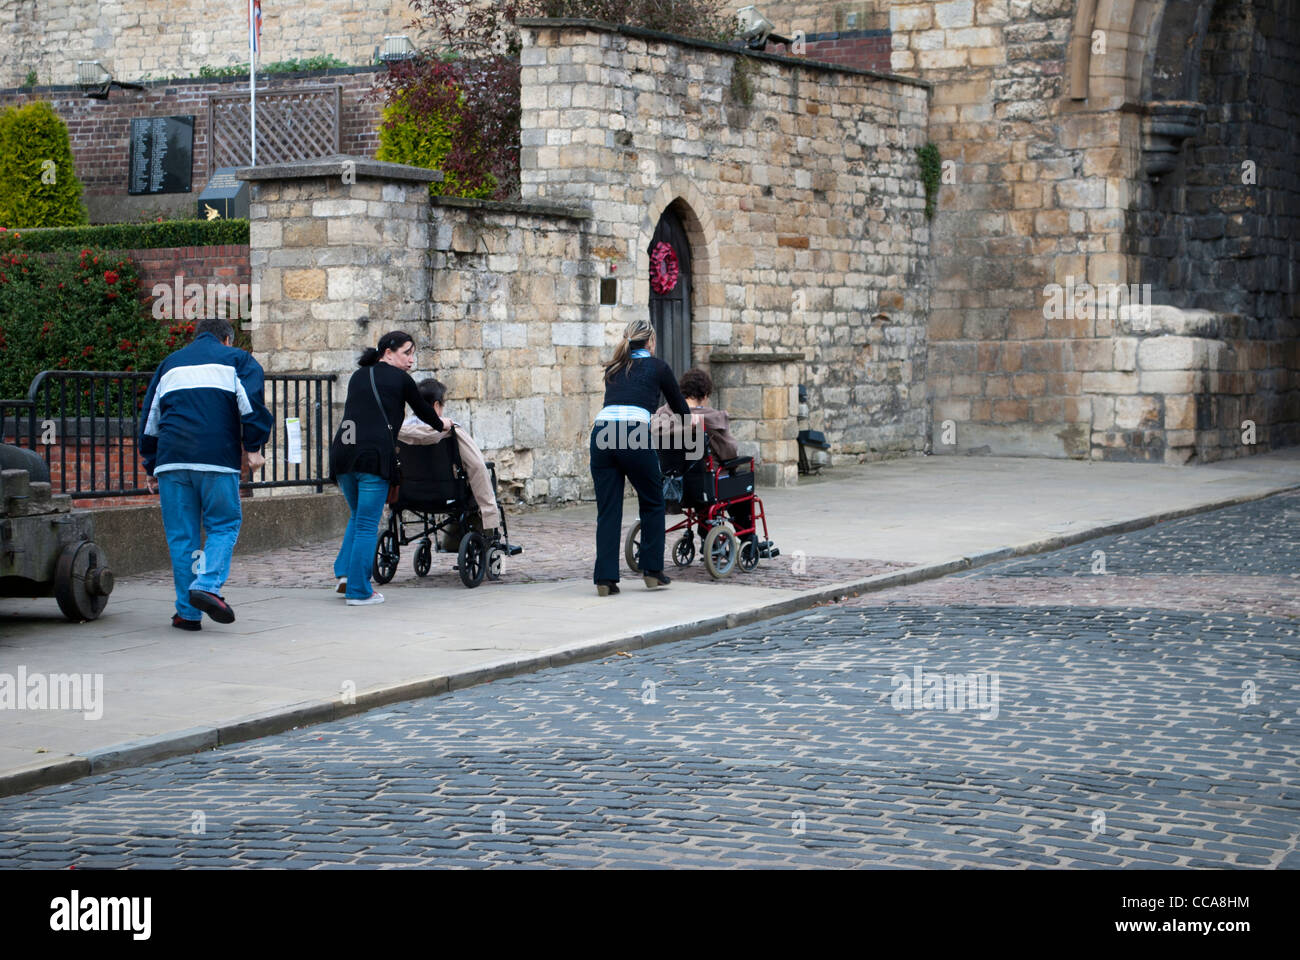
(515, 550)
(767, 550)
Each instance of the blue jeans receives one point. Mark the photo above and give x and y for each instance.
(190, 498)
(365, 494)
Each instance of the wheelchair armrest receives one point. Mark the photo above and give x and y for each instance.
(735, 462)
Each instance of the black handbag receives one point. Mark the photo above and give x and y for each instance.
(395, 481)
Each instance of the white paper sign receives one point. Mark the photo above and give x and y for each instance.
(293, 439)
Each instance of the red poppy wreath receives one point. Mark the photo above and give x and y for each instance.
(664, 269)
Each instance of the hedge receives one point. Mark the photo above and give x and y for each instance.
(75, 311)
(38, 183)
(134, 236)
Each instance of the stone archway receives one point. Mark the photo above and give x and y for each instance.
(708, 326)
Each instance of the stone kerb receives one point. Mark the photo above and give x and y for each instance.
(339, 253)
(760, 392)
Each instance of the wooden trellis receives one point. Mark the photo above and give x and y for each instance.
(299, 124)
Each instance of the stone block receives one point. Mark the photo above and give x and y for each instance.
(743, 402)
(1137, 412)
(1171, 353)
(1169, 381)
(303, 284)
(1180, 413)
(1097, 382)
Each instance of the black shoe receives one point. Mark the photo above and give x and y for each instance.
(213, 605)
(606, 588)
(655, 579)
(180, 623)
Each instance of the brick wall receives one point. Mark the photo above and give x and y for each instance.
(100, 131)
(864, 50)
(203, 265)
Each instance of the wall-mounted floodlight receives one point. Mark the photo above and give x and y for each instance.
(394, 49)
(756, 30)
(95, 82)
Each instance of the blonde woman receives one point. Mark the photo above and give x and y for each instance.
(621, 450)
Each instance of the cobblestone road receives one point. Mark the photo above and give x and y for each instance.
(1146, 716)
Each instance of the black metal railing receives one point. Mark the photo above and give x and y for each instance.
(86, 423)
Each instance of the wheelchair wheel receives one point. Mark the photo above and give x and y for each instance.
(423, 558)
(748, 555)
(387, 554)
(632, 548)
(472, 560)
(684, 550)
(496, 562)
(721, 551)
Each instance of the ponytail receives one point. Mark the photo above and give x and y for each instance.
(638, 332)
(393, 340)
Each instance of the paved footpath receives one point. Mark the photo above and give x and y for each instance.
(1139, 707)
(297, 654)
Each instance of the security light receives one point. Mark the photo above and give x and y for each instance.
(95, 82)
(396, 48)
(756, 30)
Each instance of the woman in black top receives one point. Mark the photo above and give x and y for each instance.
(621, 450)
(363, 454)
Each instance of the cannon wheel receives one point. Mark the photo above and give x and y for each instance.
(82, 581)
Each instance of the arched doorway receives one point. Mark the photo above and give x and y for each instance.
(670, 296)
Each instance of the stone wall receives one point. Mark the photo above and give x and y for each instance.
(100, 132)
(803, 205)
(1218, 230)
(1050, 150)
(139, 39)
(339, 249)
(518, 336)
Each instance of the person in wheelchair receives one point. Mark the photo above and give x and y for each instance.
(416, 432)
(697, 388)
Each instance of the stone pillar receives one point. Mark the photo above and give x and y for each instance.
(761, 393)
(339, 254)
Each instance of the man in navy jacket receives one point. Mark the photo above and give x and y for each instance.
(203, 407)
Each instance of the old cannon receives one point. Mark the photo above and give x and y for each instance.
(47, 548)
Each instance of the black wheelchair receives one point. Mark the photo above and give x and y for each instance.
(718, 500)
(435, 499)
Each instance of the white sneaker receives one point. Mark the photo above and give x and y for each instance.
(375, 597)
(342, 586)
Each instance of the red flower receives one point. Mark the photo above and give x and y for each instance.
(124, 346)
(110, 277)
(87, 351)
(95, 260)
(111, 295)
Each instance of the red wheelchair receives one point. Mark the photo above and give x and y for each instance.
(718, 503)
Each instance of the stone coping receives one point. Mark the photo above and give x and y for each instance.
(333, 167)
(151, 85)
(549, 23)
(740, 356)
(537, 208)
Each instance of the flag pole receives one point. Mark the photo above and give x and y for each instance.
(252, 81)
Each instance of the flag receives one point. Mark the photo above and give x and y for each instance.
(255, 27)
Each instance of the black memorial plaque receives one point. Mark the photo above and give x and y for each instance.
(225, 197)
(162, 155)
